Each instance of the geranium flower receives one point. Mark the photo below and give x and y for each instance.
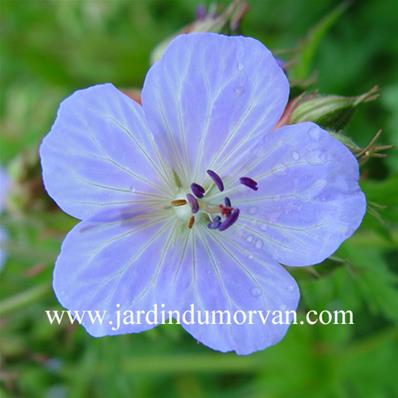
(193, 197)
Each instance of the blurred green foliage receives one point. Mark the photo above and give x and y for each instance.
(50, 48)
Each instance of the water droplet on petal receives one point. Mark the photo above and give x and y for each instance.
(240, 66)
(256, 292)
(295, 155)
(316, 156)
(314, 133)
(238, 90)
(324, 197)
(290, 288)
(252, 210)
(263, 227)
(249, 238)
(250, 256)
(259, 244)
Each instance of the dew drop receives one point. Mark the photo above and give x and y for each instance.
(316, 156)
(252, 210)
(240, 66)
(314, 133)
(249, 238)
(324, 198)
(238, 90)
(256, 292)
(250, 256)
(263, 227)
(259, 244)
(295, 155)
(290, 288)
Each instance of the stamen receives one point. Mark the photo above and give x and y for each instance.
(227, 202)
(217, 179)
(197, 190)
(249, 182)
(215, 223)
(193, 202)
(225, 211)
(178, 202)
(191, 222)
(230, 220)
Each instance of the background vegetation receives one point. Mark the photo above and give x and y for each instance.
(51, 48)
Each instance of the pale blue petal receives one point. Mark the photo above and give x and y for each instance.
(106, 264)
(4, 187)
(3, 242)
(99, 153)
(215, 273)
(209, 96)
(309, 200)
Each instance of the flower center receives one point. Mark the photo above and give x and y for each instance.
(192, 205)
(183, 212)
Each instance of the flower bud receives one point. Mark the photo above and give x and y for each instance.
(26, 191)
(226, 21)
(328, 111)
(372, 150)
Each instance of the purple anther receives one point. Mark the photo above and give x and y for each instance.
(231, 219)
(227, 202)
(249, 182)
(197, 190)
(217, 179)
(193, 202)
(215, 223)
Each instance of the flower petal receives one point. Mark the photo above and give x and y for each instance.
(309, 200)
(104, 264)
(3, 243)
(216, 274)
(99, 153)
(4, 187)
(209, 96)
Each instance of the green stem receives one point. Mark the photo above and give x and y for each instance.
(25, 298)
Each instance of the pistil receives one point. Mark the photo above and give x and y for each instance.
(230, 220)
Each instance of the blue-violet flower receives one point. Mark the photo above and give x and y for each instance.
(194, 197)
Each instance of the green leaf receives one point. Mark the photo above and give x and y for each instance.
(377, 284)
(302, 65)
